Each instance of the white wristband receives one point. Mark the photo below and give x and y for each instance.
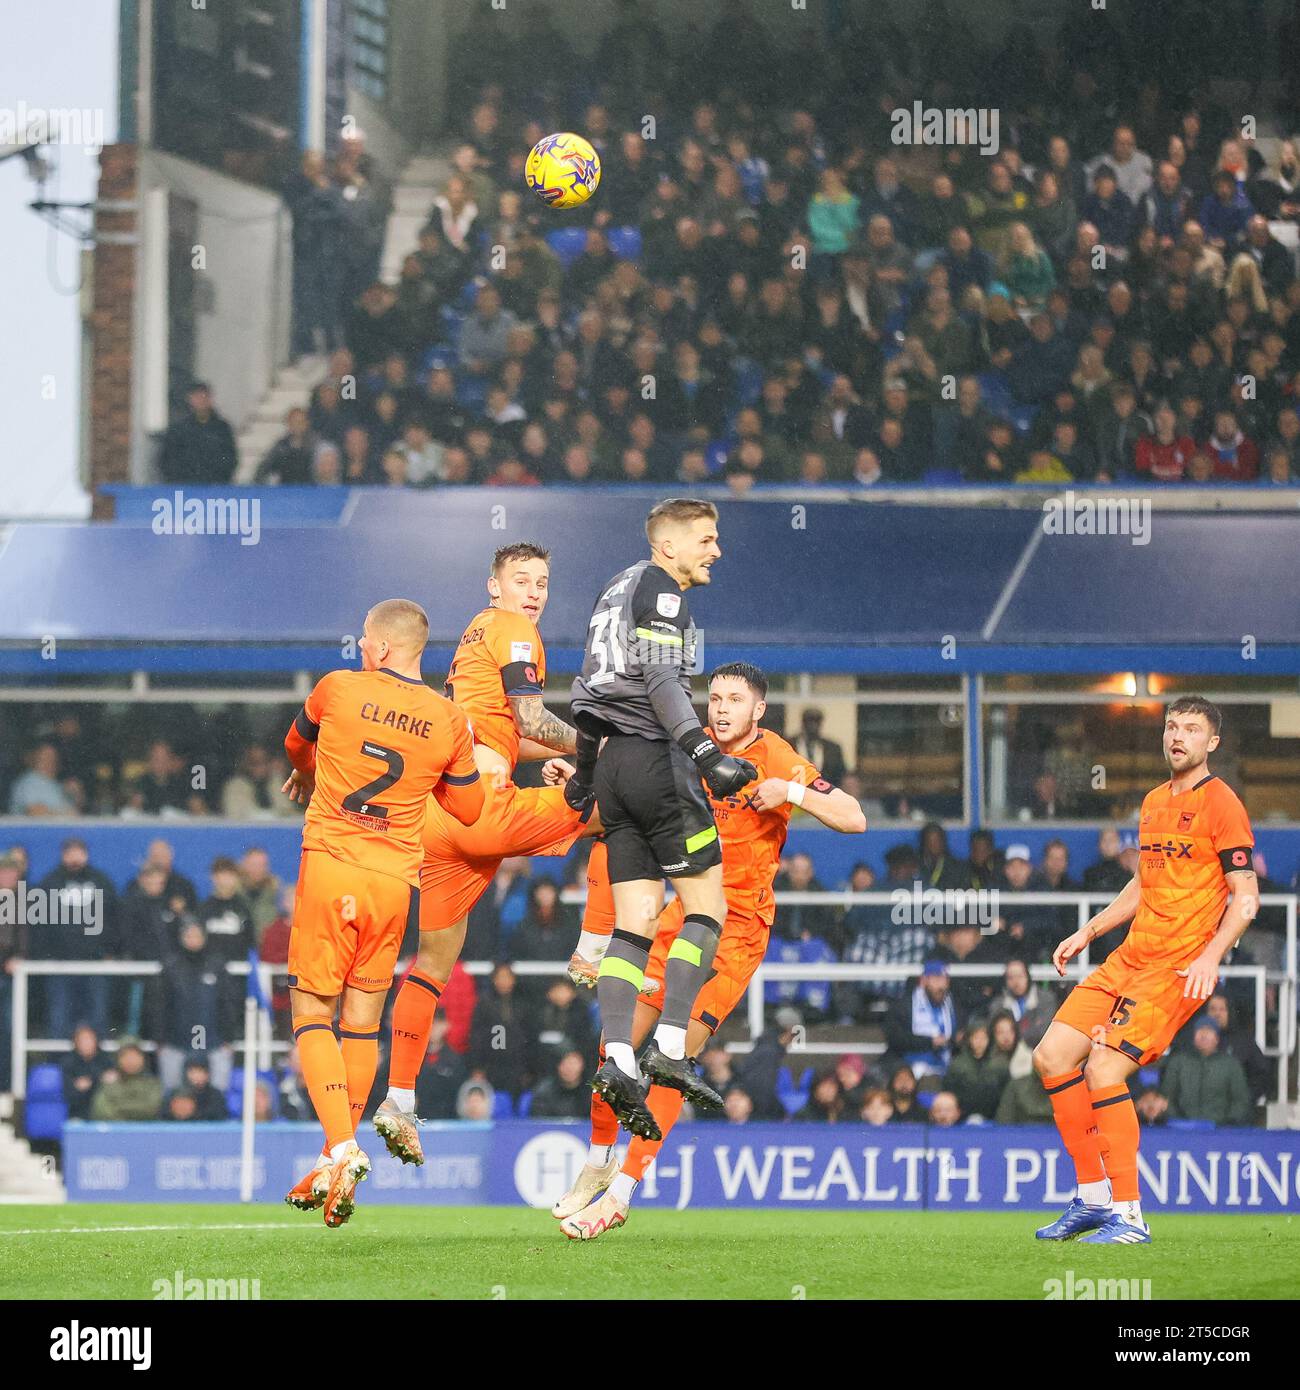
(794, 792)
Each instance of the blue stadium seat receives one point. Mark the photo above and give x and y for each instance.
(525, 1105)
(793, 1094)
(567, 243)
(235, 1092)
(501, 1107)
(942, 477)
(45, 1111)
(45, 1082)
(625, 242)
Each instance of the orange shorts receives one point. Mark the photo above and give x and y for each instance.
(740, 952)
(1136, 1009)
(460, 861)
(348, 924)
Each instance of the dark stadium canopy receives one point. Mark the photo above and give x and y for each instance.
(818, 586)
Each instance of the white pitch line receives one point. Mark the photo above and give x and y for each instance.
(128, 1230)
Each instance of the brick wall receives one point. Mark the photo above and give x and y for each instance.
(112, 322)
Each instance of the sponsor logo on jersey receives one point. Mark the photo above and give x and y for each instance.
(669, 605)
(521, 651)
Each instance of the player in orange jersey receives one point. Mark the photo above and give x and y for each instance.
(752, 825)
(497, 678)
(368, 748)
(1194, 894)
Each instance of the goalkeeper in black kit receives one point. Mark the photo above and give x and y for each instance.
(635, 694)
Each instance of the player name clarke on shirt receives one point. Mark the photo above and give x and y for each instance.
(403, 723)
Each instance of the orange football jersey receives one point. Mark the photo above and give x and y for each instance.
(1188, 844)
(381, 744)
(752, 840)
(500, 654)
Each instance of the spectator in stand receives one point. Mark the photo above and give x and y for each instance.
(977, 1075)
(826, 1101)
(758, 1075)
(565, 1094)
(1106, 874)
(1164, 455)
(1235, 456)
(456, 215)
(1131, 167)
(833, 222)
(83, 1069)
(192, 997)
(164, 788)
(82, 926)
(260, 890)
(40, 791)
(1205, 1083)
(737, 1106)
(209, 1103)
(545, 934)
(1109, 210)
(253, 792)
(227, 927)
(1224, 213)
(503, 1035)
(127, 1090)
(1118, 429)
(178, 890)
(149, 925)
(288, 461)
(821, 752)
(939, 867)
(923, 1024)
(1165, 205)
(316, 206)
(274, 950)
(442, 1075)
(902, 1093)
(199, 446)
(423, 457)
(877, 1108)
(1276, 264)
(1239, 1042)
(1278, 469)
(1027, 269)
(483, 336)
(797, 921)
(872, 937)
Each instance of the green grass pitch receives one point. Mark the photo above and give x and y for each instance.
(73, 1251)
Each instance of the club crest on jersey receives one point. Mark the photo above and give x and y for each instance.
(668, 605)
(1185, 821)
(521, 651)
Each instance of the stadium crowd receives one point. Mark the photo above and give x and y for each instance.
(1110, 296)
(939, 1046)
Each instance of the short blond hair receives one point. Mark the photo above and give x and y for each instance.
(402, 621)
(676, 511)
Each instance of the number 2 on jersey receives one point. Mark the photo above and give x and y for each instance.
(359, 802)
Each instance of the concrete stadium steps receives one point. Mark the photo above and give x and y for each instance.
(291, 386)
(25, 1176)
(413, 198)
